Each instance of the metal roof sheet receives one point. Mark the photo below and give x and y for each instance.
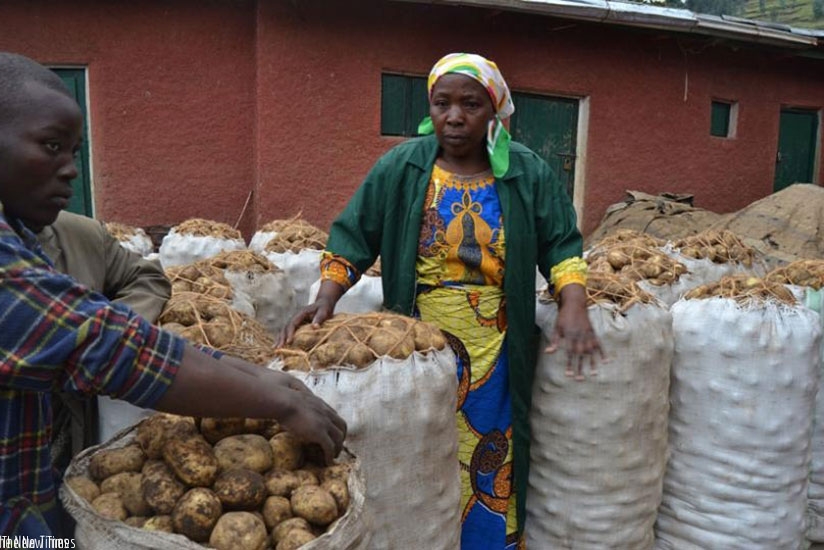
(658, 17)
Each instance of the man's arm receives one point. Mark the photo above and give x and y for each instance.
(56, 333)
(134, 281)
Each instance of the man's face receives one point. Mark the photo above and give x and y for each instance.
(37, 149)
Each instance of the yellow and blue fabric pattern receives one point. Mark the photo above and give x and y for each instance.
(460, 268)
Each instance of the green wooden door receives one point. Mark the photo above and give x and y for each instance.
(81, 203)
(549, 126)
(797, 137)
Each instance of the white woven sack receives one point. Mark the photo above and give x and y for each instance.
(114, 415)
(260, 239)
(139, 243)
(366, 296)
(179, 249)
(744, 380)
(401, 425)
(814, 300)
(94, 532)
(301, 268)
(599, 446)
(271, 295)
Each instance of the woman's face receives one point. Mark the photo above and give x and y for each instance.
(461, 109)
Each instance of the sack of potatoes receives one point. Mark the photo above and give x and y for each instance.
(288, 235)
(349, 340)
(232, 484)
(213, 322)
(131, 238)
(198, 239)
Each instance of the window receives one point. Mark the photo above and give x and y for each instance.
(81, 201)
(404, 103)
(723, 118)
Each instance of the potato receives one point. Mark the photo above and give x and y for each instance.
(248, 451)
(161, 489)
(315, 505)
(359, 355)
(196, 514)
(128, 486)
(136, 521)
(215, 429)
(306, 477)
(153, 432)
(291, 524)
(281, 483)
(193, 461)
(240, 489)
(110, 506)
(287, 451)
(219, 333)
(337, 471)
(306, 337)
(159, 523)
(254, 425)
(294, 539)
(330, 353)
(238, 531)
(270, 429)
(339, 491)
(276, 510)
(84, 487)
(106, 463)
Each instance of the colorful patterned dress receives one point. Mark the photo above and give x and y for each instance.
(460, 271)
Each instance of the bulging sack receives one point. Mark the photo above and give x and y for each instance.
(599, 446)
(401, 423)
(198, 239)
(744, 380)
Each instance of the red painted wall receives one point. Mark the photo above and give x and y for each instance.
(194, 104)
(171, 91)
(650, 95)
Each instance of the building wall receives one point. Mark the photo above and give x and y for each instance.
(171, 92)
(195, 104)
(649, 98)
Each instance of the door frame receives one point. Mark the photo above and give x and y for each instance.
(87, 125)
(817, 110)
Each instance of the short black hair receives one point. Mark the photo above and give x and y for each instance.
(15, 72)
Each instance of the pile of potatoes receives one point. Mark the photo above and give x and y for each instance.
(808, 273)
(637, 261)
(212, 322)
(199, 227)
(201, 278)
(358, 340)
(610, 288)
(294, 235)
(236, 484)
(743, 289)
(718, 246)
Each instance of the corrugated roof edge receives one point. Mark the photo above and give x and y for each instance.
(656, 17)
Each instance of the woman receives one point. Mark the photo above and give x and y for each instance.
(460, 220)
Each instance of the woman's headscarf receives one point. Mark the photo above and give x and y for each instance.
(486, 72)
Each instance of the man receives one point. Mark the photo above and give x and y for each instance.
(83, 249)
(57, 334)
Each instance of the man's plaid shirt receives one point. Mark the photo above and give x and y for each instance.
(57, 334)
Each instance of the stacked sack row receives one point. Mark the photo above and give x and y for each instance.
(696, 431)
(230, 298)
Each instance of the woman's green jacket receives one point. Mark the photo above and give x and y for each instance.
(384, 217)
